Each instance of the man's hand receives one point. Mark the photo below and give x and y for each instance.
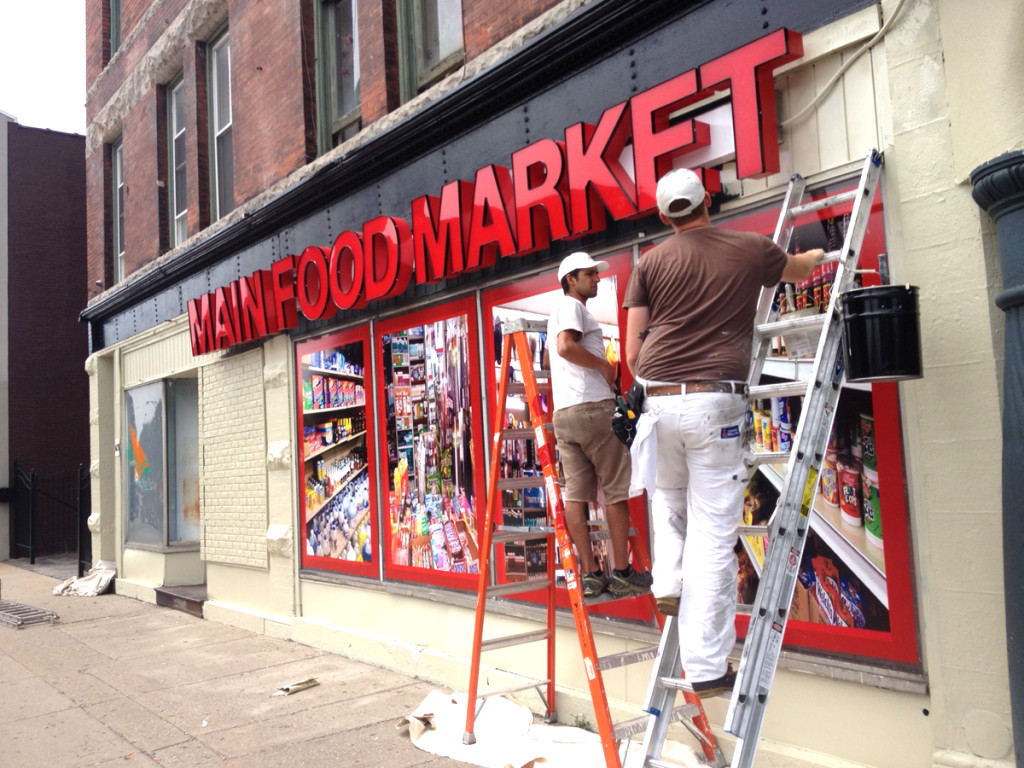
(609, 373)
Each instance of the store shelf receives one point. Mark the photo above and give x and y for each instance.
(317, 411)
(334, 374)
(335, 444)
(311, 513)
(849, 542)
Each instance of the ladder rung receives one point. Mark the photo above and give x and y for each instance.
(508, 534)
(780, 389)
(753, 530)
(520, 639)
(825, 202)
(515, 587)
(615, 660)
(782, 327)
(515, 689)
(675, 683)
(830, 256)
(526, 481)
(636, 725)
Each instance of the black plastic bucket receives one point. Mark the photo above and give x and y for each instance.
(881, 333)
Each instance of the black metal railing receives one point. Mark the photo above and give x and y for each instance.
(50, 514)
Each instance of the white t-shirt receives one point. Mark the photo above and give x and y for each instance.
(573, 384)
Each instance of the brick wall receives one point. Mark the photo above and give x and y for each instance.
(484, 22)
(270, 130)
(378, 59)
(145, 174)
(232, 438)
(49, 389)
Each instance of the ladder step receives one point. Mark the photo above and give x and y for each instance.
(767, 457)
(515, 587)
(526, 481)
(797, 324)
(615, 660)
(509, 640)
(825, 202)
(636, 725)
(524, 433)
(521, 533)
(514, 689)
(508, 327)
(753, 530)
(519, 388)
(781, 389)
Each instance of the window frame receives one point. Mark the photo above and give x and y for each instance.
(177, 220)
(168, 465)
(114, 10)
(334, 131)
(412, 79)
(220, 208)
(117, 205)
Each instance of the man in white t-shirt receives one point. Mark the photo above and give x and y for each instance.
(581, 384)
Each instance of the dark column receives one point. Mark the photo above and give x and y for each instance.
(999, 189)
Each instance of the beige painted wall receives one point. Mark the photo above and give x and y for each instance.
(942, 55)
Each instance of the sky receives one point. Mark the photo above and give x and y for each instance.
(42, 63)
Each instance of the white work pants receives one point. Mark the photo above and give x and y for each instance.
(696, 508)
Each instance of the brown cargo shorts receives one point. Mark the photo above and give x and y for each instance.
(589, 451)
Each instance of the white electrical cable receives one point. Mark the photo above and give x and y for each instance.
(842, 70)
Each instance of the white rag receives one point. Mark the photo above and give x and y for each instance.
(643, 454)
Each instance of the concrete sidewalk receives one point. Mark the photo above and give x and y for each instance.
(115, 681)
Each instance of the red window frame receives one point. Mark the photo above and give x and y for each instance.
(900, 642)
(359, 335)
(618, 266)
(467, 307)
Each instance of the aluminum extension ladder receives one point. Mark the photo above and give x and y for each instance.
(788, 525)
(555, 534)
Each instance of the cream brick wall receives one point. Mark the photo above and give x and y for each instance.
(232, 429)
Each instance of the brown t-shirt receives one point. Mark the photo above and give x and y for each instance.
(701, 287)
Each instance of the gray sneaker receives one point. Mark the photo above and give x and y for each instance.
(633, 583)
(594, 583)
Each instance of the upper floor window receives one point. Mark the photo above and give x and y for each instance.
(220, 122)
(431, 42)
(115, 26)
(177, 192)
(340, 72)
(117, 189)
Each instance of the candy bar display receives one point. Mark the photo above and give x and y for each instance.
(336, 489)
(428, 431)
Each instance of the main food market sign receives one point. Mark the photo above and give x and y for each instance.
(551, 190)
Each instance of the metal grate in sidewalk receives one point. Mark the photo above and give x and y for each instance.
(18, 615)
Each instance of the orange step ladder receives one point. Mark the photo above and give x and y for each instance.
(556, 535)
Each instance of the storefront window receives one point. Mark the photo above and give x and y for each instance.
(853, 594)
(161, 469)
(430, 410)
(524, 502)
(339, 515)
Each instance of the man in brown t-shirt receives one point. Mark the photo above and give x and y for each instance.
(690, 303)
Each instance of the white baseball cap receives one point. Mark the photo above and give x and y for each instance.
(679, 192)
(579, 260)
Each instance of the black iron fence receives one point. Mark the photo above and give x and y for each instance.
(50, 514)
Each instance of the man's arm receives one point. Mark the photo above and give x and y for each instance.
(800, 266)
(570, 350)
(637, 320)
